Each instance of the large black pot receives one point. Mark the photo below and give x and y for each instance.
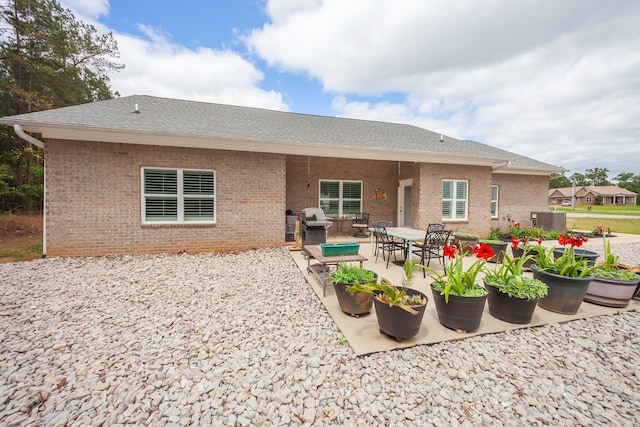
(508, 308)
(460, 313)
(590, 256)
(611, 292)
(397, 322)
(565, 293)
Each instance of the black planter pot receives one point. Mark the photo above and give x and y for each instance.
(498, 252)
(519, 252)
(509, 309)
(356, 303)
(565, 293)
(460, 313)
(590, 256)
(397, 322)
(611, 292)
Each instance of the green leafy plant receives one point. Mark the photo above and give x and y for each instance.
(352, 273)
(393, 295)
(455, 279)
(463, 235)
(492, 242)
(509, 279)
(567, 264)
(610, 269)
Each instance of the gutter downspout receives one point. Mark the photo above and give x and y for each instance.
(34, 141)
(500, 166)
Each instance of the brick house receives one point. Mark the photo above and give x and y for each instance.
(589, 194)
(141, 174)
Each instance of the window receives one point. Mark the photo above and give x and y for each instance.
(454, 199)
(178, 196)
(340, 198)
(494, 201)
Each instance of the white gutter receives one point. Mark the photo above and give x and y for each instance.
(500, 166)
(31, 140)
(34, 141)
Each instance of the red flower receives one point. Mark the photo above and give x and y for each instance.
(575, 242)
(449, 251)
(539, 240)
(515, 242)
(483, 251)
(563, 240)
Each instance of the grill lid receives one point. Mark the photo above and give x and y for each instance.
(314, 214)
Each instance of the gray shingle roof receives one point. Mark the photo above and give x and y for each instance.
(189, 118)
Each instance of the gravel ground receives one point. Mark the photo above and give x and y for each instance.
(241, 339)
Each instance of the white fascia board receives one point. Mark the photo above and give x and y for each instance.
(259, 146)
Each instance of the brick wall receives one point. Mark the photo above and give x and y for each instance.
(94, 200)
(519, 195)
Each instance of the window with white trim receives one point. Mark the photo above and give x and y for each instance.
(494, 201)
(454, 199)
(178, 196)
(340, 198)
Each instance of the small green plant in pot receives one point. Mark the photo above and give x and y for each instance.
(345, 275)
(567, 277)
(459, 299)
(512, 296)
(613, 285)
(399, 309)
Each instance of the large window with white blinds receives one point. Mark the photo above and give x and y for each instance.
(340, 198)
(178, 196)
(454, 199)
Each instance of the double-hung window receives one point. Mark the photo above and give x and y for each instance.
(454, 199)
(494, 201)
(340, 198)
(178, 196)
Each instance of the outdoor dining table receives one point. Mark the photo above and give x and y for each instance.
(406, 234)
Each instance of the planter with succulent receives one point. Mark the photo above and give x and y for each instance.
(459, 299)
(498, 247)
(346, 274)
(399, 309)
(567, 277)
(513, 297)
(612, 284)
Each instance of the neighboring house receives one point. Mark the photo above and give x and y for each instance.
(141, 174)
(588, 194)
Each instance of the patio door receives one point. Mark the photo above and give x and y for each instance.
(405, 202)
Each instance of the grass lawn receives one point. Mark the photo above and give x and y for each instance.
(608, 209)
(617, 225)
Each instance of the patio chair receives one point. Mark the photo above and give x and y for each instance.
(361, 223)
(388, 245)
(435, 227)
(432, 247)
(376, 234)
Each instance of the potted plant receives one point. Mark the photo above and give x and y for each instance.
(459, 299)
(589, 256)
(612, 285)
(567, 277)
(465, 242)
(498, 247)
(512, 296)
(521, 248)
(353, 303)
(399, 309)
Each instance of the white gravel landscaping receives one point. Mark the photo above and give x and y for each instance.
(242, 339)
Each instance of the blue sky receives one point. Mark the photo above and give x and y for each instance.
(556, 81)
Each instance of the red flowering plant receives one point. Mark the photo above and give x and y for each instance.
(567, 265)
(456, 280)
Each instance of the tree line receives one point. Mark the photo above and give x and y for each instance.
(48, 59)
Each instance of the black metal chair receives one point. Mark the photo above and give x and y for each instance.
(388, 245)
(432, 247)
(435, 227)
(380, 223)
(361, 223)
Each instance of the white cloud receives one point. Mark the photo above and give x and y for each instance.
(557, 81)
(156, 66)
(87, 8)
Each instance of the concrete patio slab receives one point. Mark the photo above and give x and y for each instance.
(363, 333)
